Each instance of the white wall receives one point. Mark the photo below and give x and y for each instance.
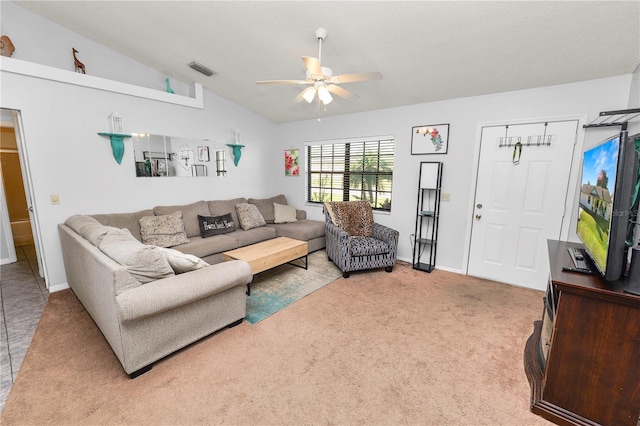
(464, 116)
(634, 93)
(634, 100)
(42, 41)
(66, 156)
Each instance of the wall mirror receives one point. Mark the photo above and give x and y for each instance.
(162, 156)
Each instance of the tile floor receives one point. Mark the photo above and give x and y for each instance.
(23, 295)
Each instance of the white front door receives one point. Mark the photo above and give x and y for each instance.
(521, 191)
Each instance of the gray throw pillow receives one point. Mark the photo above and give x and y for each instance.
(145, 263)
(249, 216)
(163, 231)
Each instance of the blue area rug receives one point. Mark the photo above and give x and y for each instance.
(278, 288)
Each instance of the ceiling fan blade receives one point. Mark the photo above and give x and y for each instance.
(301, 95)
(358, 76)
(313, 65)
(282, 82)
(342, 92)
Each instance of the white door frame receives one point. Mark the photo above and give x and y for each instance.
(28, 189)
(570, 200)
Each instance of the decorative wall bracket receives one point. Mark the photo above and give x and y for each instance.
(117, 144)
(236, 152)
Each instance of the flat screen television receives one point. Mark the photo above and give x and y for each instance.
(606, 192)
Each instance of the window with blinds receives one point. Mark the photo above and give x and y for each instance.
(351, 170)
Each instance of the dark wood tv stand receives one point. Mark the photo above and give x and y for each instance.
(583, 358)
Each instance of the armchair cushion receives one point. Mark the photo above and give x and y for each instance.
(367, 246)
(355, 217)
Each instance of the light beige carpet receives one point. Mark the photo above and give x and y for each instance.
(405, 347)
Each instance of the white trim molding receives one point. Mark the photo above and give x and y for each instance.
(31, 69)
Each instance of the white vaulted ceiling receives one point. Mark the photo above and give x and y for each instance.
(426, 50)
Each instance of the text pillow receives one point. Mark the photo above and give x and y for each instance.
(215, 225)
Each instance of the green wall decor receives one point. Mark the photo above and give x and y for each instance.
(236, 152)
(117, 144)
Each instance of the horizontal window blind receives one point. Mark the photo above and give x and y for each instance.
(353, 169)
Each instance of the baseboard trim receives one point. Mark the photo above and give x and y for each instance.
(58, 287)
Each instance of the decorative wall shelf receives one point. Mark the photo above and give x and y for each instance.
(237, 152)
(117, 144)
(31, 69)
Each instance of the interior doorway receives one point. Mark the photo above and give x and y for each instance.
(17, 221)
(13, 186)
(521, 196)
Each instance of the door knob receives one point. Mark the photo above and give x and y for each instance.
(478, 216)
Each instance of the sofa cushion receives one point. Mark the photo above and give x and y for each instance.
(252, 236)
(303, 230)
(88, 228)
(190, 214)
(216, 225)
(249, 216)
(164, 230)
(355, 217)
(131, 221)
(145, 263)
(367, 246)
(182, 262)
(221, 207)
(203, 247)
(283, 213)
(265, 206)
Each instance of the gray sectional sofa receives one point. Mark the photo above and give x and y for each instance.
(151, 300)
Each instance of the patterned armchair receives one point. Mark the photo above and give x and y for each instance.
(354, 241)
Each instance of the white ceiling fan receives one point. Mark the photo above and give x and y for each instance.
(322, 80)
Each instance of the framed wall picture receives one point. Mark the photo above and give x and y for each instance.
(203, 154)
(430, 139)
(292, 162)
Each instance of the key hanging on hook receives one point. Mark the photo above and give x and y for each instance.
(517, 147)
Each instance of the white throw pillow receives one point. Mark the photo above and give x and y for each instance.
(284, 213)
(182, 262)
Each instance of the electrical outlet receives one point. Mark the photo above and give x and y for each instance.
(55, 199)
(445, 196)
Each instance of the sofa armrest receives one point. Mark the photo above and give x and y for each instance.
(172, 292)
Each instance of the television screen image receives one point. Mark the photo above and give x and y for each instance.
(597, 192)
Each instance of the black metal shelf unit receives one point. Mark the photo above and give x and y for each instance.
(427, 216)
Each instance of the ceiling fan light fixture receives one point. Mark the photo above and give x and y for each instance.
(324, 95)
(309, 94)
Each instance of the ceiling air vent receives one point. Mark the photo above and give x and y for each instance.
(202, 68)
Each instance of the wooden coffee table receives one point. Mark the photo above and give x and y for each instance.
(269, 254)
